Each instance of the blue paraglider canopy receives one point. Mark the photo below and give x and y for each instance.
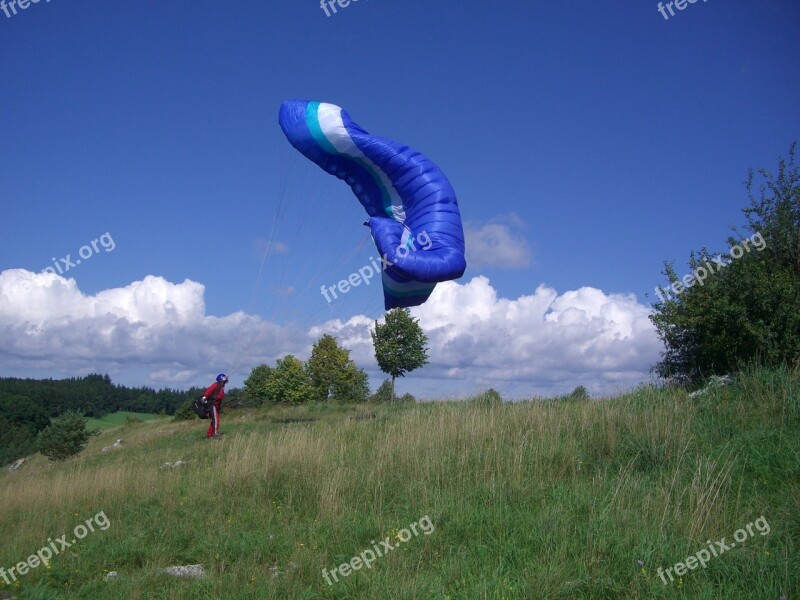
(414, 215)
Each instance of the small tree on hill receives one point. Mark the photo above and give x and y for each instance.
(399, 344)
(66, 437)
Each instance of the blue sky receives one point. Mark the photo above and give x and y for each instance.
(587, 142)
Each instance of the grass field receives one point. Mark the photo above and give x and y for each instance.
(117, 419)
(539, 500)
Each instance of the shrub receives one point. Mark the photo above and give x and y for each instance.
(490, 397)
(383, 393)
(579, 393)
(184, 412)
(66, 437)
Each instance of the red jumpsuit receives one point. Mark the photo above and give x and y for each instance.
(216, 404)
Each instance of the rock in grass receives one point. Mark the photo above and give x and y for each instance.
(713, 383)
(169, 465)
(193, 571)
(17, 464)
(117, 444)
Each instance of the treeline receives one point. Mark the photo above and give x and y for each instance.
(93, 395)
(328, 375)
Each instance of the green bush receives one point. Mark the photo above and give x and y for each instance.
(383, 393)
(66, 437)
(490, 397)
(579, 393)
(748, 312)
(184, 412)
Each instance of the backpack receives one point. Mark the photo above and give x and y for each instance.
(202, 408)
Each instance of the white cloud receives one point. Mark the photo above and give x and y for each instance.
(47, 323)
(540, 343)
(497, 243)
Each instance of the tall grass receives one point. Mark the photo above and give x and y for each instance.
(569, 499)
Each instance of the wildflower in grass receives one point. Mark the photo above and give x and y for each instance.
(642, 569)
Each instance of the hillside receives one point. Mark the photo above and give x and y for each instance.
(560, 499)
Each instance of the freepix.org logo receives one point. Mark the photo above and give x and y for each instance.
(10, 7)
(46, 552)
(329, 6)
(679, 4)
(367, 272)
(701, 273)
(62, 265)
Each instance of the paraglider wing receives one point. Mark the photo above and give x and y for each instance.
(414, 216)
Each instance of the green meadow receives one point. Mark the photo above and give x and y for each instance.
(546, 499)
(117, 419)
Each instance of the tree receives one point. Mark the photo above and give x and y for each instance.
(333, 376)
(399, 344)
(288, 382)
(66, 437)
(352, 385)
(746, 311)
(579, 393)
(256, 384)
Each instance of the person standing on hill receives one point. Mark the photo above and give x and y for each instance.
(213, 396)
